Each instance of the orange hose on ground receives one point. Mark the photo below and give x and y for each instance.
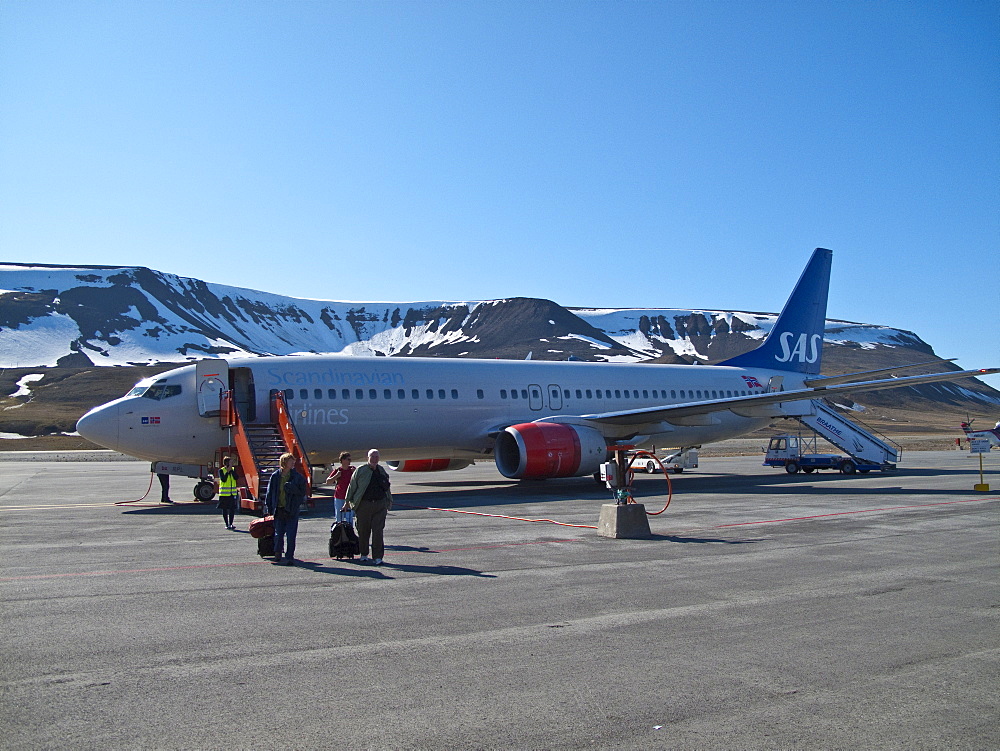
(152, 505)
(666, 475)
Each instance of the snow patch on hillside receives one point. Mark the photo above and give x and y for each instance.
(22, 384)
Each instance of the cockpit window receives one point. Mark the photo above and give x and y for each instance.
(160, 391)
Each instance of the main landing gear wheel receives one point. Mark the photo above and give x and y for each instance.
(791, 468)
(204, 491)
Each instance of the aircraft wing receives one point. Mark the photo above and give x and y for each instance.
(750, 405)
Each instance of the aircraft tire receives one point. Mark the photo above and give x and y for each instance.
(791, 468)
(204, 491)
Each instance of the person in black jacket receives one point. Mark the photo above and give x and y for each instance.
(285, 492)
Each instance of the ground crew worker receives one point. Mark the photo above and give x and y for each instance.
(164, 486)
(371, 500)
(227, 491)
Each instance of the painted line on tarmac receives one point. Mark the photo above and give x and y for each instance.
(848, 513)
(111, 572)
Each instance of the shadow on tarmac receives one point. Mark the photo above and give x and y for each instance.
(703, 540)
(462, 494)
(357, 569)
(175, 509)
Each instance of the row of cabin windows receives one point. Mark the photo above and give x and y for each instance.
(346, 394)
(633, 393)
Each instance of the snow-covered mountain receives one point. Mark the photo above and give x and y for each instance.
(98, 315)
(83, 315)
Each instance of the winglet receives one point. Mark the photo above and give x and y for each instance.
(796, 341)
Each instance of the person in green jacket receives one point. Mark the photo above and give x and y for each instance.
(371, 501)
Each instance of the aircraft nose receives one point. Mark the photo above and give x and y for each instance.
(100, 425)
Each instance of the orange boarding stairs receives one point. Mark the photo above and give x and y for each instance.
(258, 447)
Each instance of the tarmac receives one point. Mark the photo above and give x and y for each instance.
(769, 611)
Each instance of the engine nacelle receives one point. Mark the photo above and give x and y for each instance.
(428, 465)
(536, 450)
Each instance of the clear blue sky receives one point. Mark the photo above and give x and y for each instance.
(648, 154)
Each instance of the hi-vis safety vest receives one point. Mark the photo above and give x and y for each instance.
(227, 482)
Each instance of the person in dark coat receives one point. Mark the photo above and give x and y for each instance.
(369, 496)
(286, 490)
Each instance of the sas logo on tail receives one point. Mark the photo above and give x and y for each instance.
(798, 352)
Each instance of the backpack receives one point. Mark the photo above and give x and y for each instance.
(343, 541)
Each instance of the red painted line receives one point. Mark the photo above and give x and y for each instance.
(847, 513)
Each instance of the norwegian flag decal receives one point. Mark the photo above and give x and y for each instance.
(752, 383)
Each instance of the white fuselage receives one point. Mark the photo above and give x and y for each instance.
(418, 408)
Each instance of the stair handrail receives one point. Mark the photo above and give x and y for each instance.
(854, 421)
(281, 417)
(882, 437)
(229, 417)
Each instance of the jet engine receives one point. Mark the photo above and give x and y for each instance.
(428, 465)
(536, 450)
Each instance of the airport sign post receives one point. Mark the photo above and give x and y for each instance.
(980, 446)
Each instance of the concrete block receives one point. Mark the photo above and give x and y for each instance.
(627, 521)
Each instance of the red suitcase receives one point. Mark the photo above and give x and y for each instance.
(262, 527)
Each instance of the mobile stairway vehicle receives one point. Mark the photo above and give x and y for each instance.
(864, 450)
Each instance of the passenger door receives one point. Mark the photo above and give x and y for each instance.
(211, 379)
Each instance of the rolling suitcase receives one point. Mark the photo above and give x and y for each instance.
(265, 545)
(343, 541)
(263, 531)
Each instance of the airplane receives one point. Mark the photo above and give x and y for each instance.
(991, 435)
(535, 419)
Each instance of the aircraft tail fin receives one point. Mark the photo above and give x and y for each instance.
(796, 341)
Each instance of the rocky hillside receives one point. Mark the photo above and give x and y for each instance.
(95, 315)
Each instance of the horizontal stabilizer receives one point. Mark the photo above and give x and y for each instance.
(824, 381)
(687, 409)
